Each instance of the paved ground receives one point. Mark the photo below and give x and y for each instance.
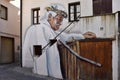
(15, 72)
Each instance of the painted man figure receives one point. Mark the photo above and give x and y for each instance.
(49, 62)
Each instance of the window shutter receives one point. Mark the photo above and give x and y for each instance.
(108, 5)
(96, 7)
(102, 7)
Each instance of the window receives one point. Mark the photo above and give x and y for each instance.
(102, 7)
(36, 15)
(74, 11)
(3, 12)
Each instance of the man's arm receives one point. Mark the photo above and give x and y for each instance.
(77, 36)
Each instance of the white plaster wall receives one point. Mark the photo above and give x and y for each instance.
(26, 15)
(115, 51)
(115, 59)
(103, 26)
(115, 5)
(86, 9)
(29, 4)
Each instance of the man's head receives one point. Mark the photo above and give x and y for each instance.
(56, 14)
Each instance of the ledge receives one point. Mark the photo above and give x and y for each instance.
(98, 39)
(92, 39)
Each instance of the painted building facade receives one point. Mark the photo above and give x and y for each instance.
(9, 32)
(99, 16)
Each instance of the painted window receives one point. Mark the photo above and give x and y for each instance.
(36, 15)
(74, 11)
(102, 7)
(3, 12)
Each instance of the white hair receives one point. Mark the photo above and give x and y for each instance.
(58, 6)
(55, 5)
(45, 17)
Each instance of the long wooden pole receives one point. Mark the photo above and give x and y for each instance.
(78, 56)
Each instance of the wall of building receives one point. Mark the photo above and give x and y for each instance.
(105, 26)
(86, 9)
(116, 5)
(12, 24)
(118, 22)
(11, 27)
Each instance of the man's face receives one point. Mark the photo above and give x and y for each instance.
(56, 22)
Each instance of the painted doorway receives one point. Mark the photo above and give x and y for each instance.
(7, 50)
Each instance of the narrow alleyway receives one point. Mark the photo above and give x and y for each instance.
(15, 72)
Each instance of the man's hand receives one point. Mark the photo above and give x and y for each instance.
(89, 35)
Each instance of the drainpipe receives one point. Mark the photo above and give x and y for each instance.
(21, 33)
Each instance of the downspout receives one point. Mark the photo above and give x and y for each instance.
(21, 33)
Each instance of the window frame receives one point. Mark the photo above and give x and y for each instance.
(37, 10)
(6, 12)
(75, 12)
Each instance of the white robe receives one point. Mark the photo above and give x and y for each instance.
(49, 62)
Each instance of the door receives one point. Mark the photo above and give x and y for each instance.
(7, 50)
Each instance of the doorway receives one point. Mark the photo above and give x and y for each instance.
(7, 50)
